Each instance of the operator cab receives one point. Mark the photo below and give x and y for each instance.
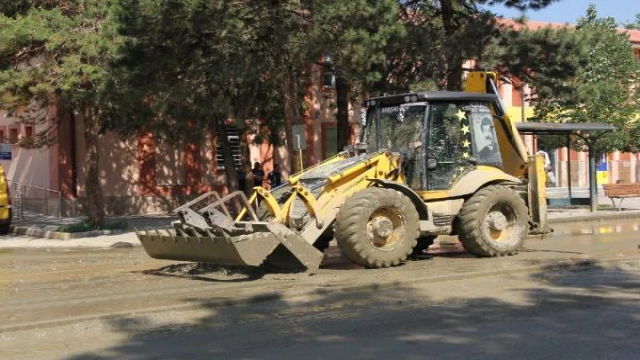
(441, 135)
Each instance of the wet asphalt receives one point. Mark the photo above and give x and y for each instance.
(573, 295)
(47, 287)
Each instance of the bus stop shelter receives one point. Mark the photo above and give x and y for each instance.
(589, 132)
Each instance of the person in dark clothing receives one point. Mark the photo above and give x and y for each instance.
(242, 178)
(275, 176)
(258, 174)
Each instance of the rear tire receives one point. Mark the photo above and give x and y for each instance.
(5, 229)
(377, 227)
(493, 222)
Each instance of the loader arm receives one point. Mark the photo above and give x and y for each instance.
(338, 186)
(284, 226)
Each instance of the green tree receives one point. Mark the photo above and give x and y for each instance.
(55, 53)
(355, 35)
(544, 58)
(195, 64)
(604, 90)
(282, 28)
(462, 30)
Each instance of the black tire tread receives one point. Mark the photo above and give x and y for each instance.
(351, 233)
(468, 223)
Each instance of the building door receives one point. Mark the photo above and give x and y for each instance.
(329, 135)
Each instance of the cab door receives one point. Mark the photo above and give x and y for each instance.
(461, 135)
(448, 145)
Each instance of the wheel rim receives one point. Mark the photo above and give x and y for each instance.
(385, 228)
(501, 222)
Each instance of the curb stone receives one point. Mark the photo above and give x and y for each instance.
(56, 235)
(595, 216)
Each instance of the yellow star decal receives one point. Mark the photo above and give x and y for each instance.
(465, 155)
(466, 143)
(460, 114)
(465, 129)
(461, 168)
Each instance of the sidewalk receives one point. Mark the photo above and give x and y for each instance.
(37, 230)
(563, 214)
(41, 231)
(38, 225)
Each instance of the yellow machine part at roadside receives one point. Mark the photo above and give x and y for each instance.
(5, 200)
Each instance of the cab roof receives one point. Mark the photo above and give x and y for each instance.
(421, 96)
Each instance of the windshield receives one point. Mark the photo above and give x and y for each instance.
(398, 126)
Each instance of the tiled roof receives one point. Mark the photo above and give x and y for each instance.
(634, 35)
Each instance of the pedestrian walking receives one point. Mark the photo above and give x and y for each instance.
(551, 177)
(258, 174)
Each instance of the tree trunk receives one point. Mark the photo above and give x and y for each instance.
(342, 116)
(93, 190)
(245, 164)
(227, 156)
(454, 60)
(288, 87)
(73, 156)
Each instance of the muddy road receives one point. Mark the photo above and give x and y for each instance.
(577, 291)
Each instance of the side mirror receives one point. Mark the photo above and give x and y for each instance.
(432, 164)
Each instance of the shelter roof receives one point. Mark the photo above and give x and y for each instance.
(561, 128)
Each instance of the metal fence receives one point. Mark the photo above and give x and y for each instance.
(34, 198)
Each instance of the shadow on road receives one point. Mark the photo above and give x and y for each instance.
(587, 312)
(208, 272)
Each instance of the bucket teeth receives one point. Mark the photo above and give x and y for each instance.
(277, 246)
(211, 235)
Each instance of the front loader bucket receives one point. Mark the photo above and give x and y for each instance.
(272, 244)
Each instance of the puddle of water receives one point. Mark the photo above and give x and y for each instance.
(597, 228)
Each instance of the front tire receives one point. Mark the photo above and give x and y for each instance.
(377, 227)
(493, 222)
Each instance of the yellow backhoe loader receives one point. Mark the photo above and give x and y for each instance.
(429, 163)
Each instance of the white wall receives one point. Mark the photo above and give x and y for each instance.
(27, 166)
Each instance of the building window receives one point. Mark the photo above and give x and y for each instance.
(233, 134)
(329, 140)
(28, 132)
(2, 138)
(13, 135)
